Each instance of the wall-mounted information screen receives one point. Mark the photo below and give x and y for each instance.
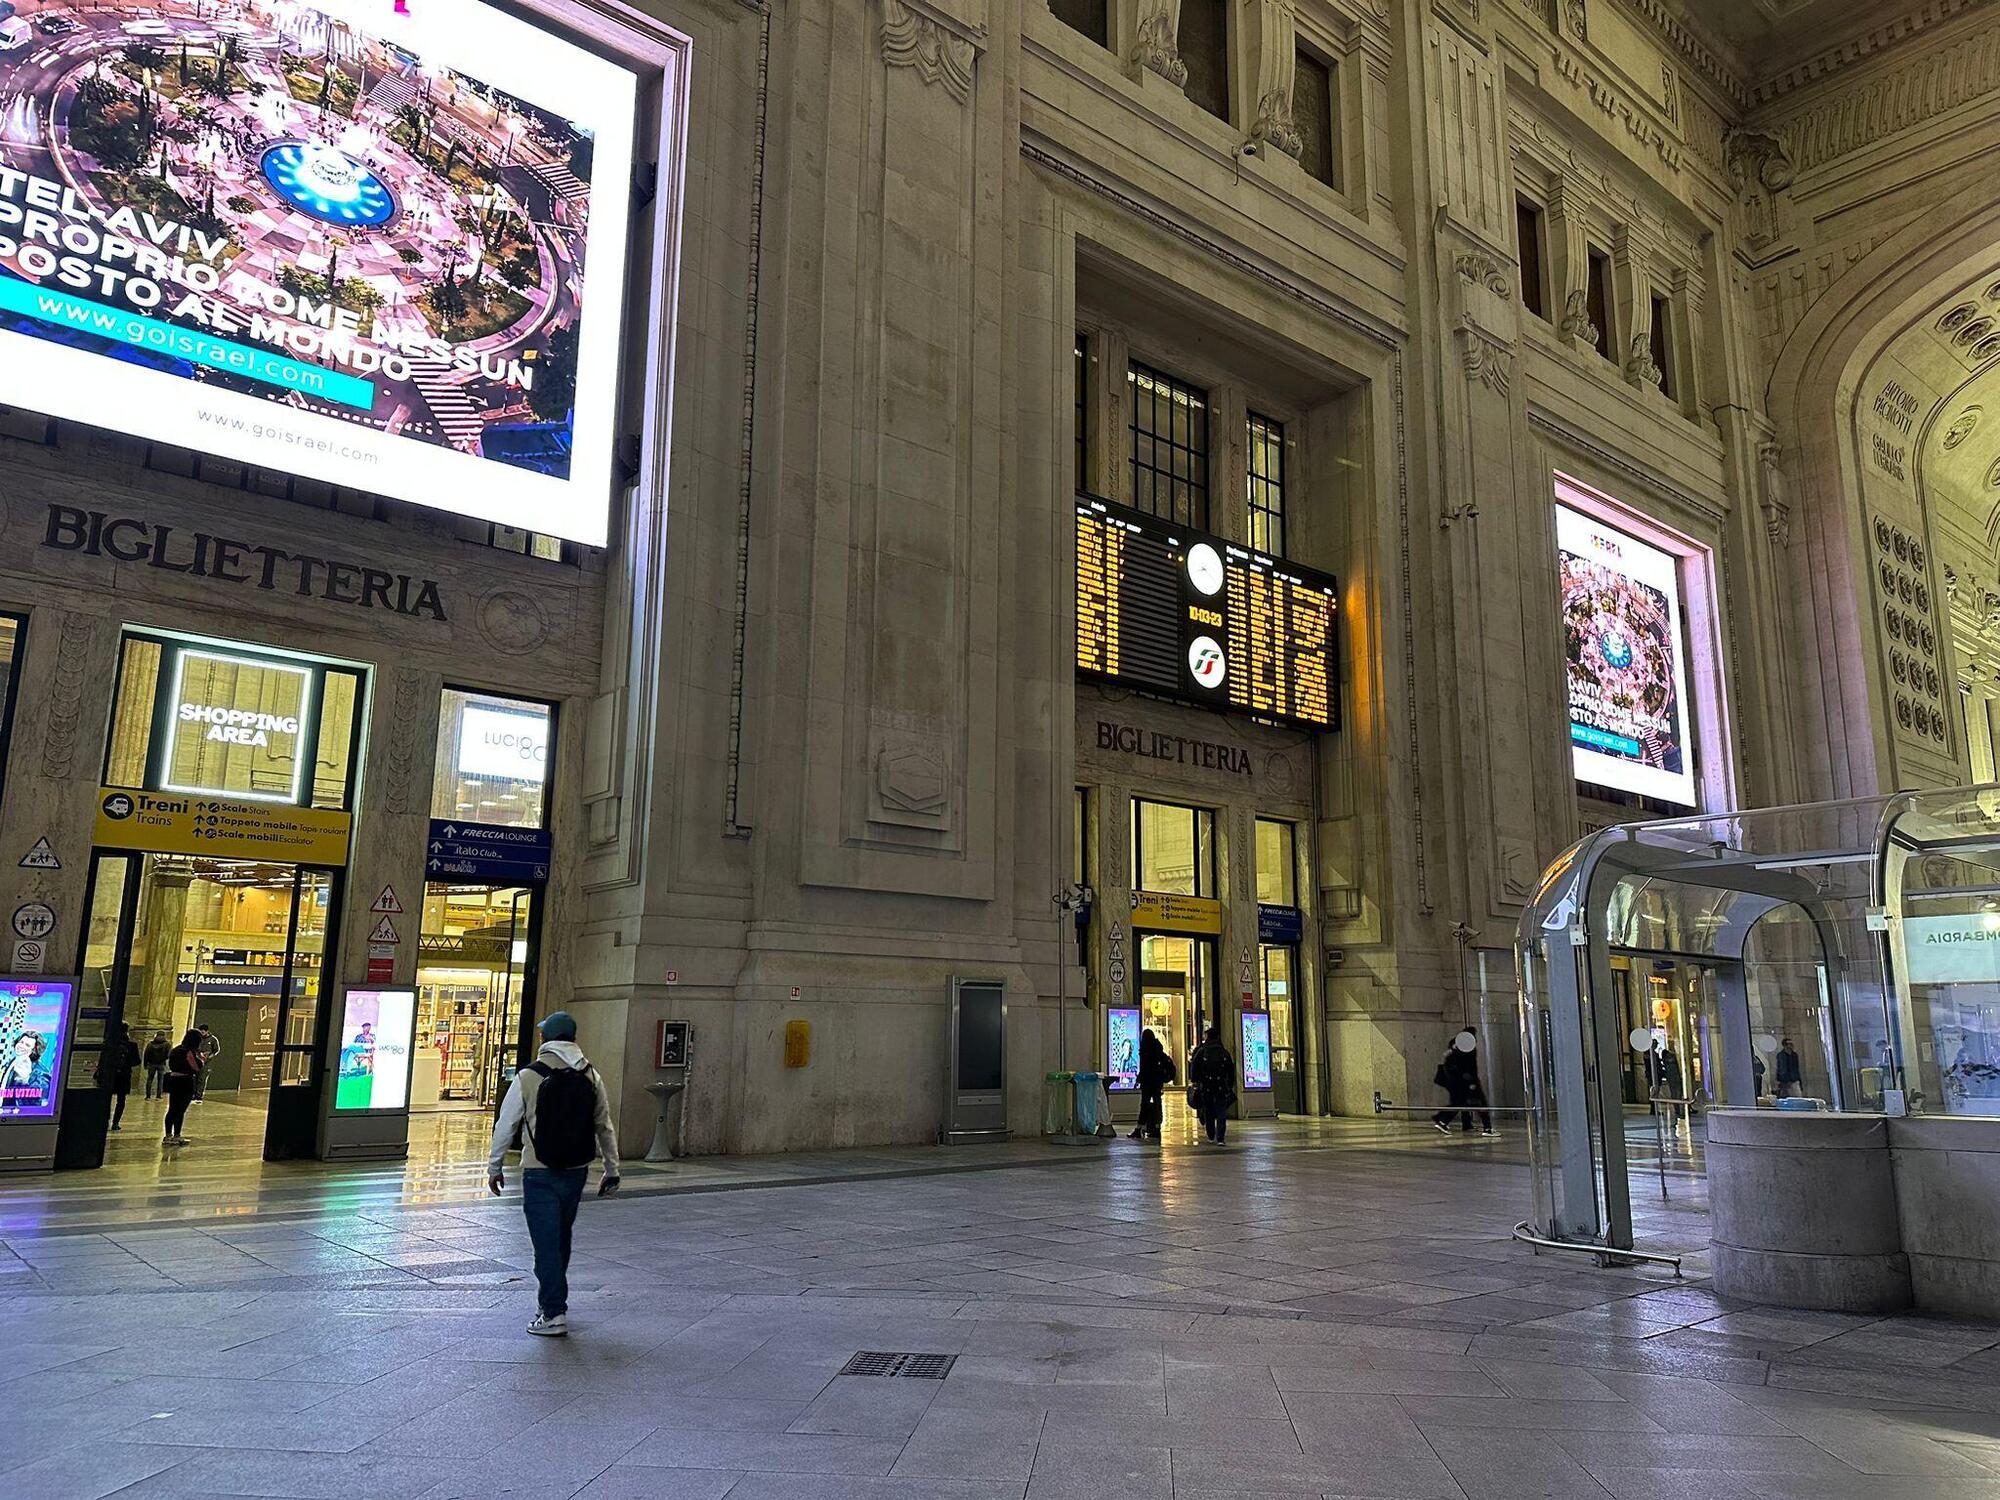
(1189, 615)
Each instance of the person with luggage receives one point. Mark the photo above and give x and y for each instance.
(184, 1065)
(559, 1105)
(1458, 1076)
(1157, 1072)
(114, 1069)
(1212, 1085)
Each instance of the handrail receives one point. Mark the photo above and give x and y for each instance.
(1604, 1252)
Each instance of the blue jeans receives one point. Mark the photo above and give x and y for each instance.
(550, 1198)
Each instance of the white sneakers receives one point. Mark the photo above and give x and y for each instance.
(550, 1326)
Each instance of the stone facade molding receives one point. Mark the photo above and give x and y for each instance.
(913, 37)
(1486, 358)
(1900, 97)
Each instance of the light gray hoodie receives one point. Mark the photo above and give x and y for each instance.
(519, 1106)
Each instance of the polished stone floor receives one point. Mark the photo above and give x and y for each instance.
(1307, 1313)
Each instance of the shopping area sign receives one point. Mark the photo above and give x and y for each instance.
(161, 824)
(486, 853)
(379, 248)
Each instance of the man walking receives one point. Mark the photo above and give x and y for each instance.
(156, 1064)
(559, 1105)
(1791, 1078)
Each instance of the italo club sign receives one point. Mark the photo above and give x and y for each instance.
(342, 240)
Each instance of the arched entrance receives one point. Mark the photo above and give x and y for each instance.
(1879, 400)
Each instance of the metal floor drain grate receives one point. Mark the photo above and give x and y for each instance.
(904, 1366)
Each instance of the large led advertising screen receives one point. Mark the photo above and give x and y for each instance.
(1621, 609)
(379, 249)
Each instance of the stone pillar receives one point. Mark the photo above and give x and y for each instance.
(149, 1003)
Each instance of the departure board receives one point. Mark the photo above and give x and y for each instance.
(1189, 615)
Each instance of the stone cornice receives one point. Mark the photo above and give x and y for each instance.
(1858, 48)
(1696, 50)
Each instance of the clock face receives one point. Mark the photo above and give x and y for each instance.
(1204, 568)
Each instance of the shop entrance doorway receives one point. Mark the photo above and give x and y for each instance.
(177, 942)
(1176, 1001)
(477, 960)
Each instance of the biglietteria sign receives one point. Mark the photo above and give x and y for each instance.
(381, 249)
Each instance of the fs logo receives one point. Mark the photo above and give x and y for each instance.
(1206, 663)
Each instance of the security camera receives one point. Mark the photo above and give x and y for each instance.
(1250, 148)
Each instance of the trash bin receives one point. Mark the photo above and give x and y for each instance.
(1093, 1104)
(1058, 1103)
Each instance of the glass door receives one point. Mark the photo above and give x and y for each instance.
(1276, 974)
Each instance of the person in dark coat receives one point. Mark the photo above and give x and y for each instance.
(184, 1065)
(1790, 1076)
(156, 1064)
(1156, 1072)
(1212, 1085)
(114, 1069)
(1458, 1076)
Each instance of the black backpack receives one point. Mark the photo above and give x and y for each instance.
(564, 1132)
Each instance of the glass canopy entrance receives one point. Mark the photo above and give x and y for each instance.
(1836, 955)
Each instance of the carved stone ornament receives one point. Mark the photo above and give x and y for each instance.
(1484, 270)
(1277, 68)
(73, 662)
(1156, 40)
(1760, 167)
(1774, 498)
(1487, 359)
(910, 780)
(1963, 428)
(1639, 366)
(1576, 327)
(1274, 123)
(1578, 18)
(912, 39)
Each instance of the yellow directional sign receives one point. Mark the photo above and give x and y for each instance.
(1169, 913)
(177, 823)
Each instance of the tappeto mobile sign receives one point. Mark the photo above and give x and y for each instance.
(384, 250)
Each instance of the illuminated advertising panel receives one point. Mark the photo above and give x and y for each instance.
(504, 745)
(233, 717)
(376, 1028)
(34, 1031)
(1628, 697)
(1121, 1069)
(1176, 611)
(377, 248)
(1256, 1050)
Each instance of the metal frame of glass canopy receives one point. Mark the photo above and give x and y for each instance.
(1810, 908)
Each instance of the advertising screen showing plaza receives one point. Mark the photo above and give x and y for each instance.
(1621, 616)
(333, 240)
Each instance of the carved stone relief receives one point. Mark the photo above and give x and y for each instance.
(1918, 687)
(1480, 269)
(1576, 327)
(1639, 367)
(400, 757)
(1277, 66)
(1487, 359)
(1760, 168)
(1156, 41)
(66, 700)
(913, 39)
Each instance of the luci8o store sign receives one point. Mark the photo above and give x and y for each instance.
(381, 248)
